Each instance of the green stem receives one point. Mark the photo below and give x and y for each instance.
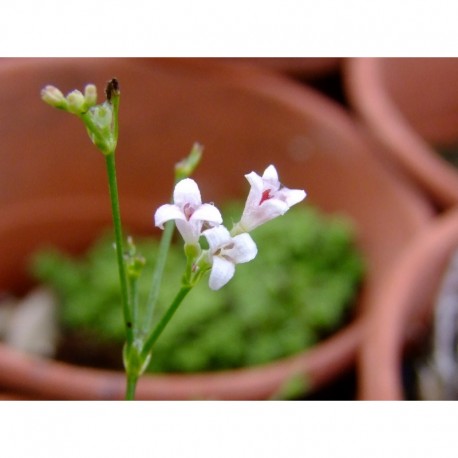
(133, 302)
(112, 182)
(161, 259)
(182, 170)
(157, 331)
(131, 385)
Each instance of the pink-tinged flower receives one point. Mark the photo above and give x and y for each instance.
(188, 211)
(266, 200)
(225, 252)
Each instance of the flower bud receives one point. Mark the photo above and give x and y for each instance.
(90, 95)
(52, 96)
(186, 167)
(76, 102)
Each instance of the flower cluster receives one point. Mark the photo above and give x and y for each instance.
(75, 102)
(100, 120)
(266, 200)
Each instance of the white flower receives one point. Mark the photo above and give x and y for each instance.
(267, 199)
(188, 211)
(226, 252)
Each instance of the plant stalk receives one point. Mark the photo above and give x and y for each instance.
(157, 331)
(116, 213)
(131, 386)
(161, 259)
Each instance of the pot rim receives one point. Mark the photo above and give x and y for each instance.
(404, 310)
(402, 144)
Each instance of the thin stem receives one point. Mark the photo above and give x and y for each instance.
(130, 388)
(157, 331)
(115, 105)
(161, 259)
(112, 182)
(133, 302)
(182, 170)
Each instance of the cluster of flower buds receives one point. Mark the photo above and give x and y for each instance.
(266, 200)
(75, 102)
(100, 120)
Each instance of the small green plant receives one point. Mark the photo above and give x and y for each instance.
(298, 289)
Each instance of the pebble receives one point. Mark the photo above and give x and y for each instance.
(30, 324)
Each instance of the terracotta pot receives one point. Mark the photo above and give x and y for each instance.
(301, 67)
(404, 311)
(410, 107)
(246, 119)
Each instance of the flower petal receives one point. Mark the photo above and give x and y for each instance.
(222, 271)
(255, 216)
(270, 177)
(244, 249)
(187, 191)
(255, 193)
(255, 181)
(189, 230)
(167, 212)
(217, 237)
(273, 208)
(291, 196)
(207, 212)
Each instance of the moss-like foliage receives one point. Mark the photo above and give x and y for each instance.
(299, 288)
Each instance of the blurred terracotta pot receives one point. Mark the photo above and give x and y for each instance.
(403, 313)
(410, 107)
(301, 67)
(53, 190)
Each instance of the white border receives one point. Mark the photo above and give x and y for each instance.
(229, 429)
(229, 28)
